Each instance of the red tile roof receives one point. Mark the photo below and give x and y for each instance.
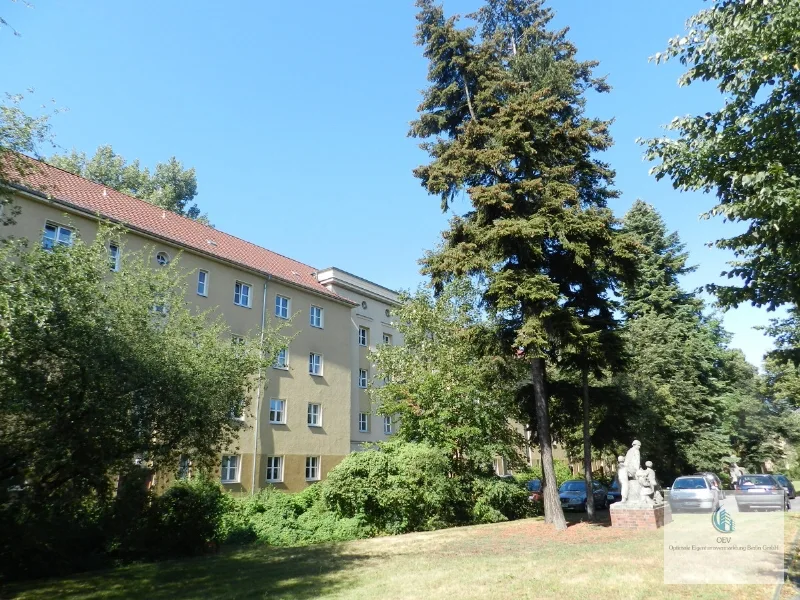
(97, 199)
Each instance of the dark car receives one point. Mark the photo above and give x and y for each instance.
(573, 495)
(614, 494)
(761, 492)
(787, 485)
(535, 490)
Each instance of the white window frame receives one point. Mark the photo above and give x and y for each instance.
(56, 239)
(363, 378)
(202, 280)
(316, 421)
(167, 259)
(280, 412)
(363, 336)
(320, 322)
(313, 364)
(115, 257)
(313, 463)
(387, 425)
(279, 308)
(277, 364)
(226, 470)
(241, 286)
(240, 416)
(363, 422)
(274, 473)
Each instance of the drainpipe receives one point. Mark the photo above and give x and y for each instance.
(258, 390)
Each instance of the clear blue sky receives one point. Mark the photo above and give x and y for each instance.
(295, 115)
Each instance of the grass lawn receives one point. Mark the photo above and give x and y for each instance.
(523, 559)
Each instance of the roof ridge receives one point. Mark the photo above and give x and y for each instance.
(136, 214)
(177, 214)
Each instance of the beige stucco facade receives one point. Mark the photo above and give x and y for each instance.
(293, 440)
(372, 315)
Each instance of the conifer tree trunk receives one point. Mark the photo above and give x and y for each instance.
(587, 447)
(552, 503)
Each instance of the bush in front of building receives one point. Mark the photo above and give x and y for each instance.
(280, 519)
(399, 488)
(496, 500)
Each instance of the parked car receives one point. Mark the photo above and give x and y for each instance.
(614, 494)
(694, 492)
(573, 495)
(535, 490)
(787, 485)
(715, 480)
(761, 492)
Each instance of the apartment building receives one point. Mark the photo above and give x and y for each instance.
(371, 324)
(308, 415)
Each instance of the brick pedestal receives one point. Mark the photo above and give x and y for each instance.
(649, 517)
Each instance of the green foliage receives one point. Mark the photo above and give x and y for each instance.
(399, 488)
(20, 134)
(562, 470)
(746, 151)
(440, 384)
(186, 518)
(169, 186)
(279, 519)
(92, 378)
(496, 500)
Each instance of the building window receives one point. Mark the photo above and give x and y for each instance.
(363, 336)
(314, 415)
(162, 258)
(363, 374)
(202, 283)
(230, 469)
(274, 468)
(184, 467)
(282, 307)
(316, 316)
(281, 359)
(56, 235)
(363, 422)
(387, 339)
(241, 294)
(277, 411)
(312, 468)
(387, 425)
(237, 340)
(315, 364)
(237, 411)
(114, 255)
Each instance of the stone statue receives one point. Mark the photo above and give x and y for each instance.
(648, 482)
(638, 487)
(633, 460)
(622, 477)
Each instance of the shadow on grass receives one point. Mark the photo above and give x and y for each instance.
(602, 518)
(250, 572)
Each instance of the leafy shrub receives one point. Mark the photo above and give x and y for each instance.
(400, 488)
(280, 519)
(496, 500)
(185, 519)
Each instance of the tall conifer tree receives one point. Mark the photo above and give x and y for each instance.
(503, 120)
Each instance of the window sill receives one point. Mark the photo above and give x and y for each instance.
(286, 318)
(315, 327)
(241, 305)
(315, 426)
(277, 422)
(312, 480)
(274, 480)
(203, 295)
(315, 374)
(228, 482)
(285, 368)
